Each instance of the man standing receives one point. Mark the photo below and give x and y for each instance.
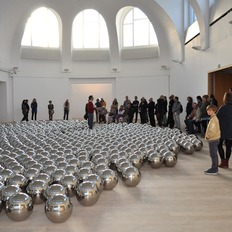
(136, 108)
(151, 111)
(66, 109)
(90, 111)
(50, 110)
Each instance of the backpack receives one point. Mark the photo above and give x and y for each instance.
(181, 108)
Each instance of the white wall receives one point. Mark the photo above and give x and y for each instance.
(43, 89)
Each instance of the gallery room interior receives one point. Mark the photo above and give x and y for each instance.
(53, 50)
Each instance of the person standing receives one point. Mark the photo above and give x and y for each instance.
(50, 110)
(66, 109)
(224, 116)
(151, 112)
(160, 110)
(126, 102)
(170, 121)
(135, 104)
(98, 106)
(176, 112)
(143, 110)
(212, 135)
(25, 110)
(34, 107)
(90, 110)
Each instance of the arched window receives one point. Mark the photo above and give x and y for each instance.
(89, 30)
(138, 30)
(42, 29)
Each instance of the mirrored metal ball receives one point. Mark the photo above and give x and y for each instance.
(8, 191)
(170, 159)
(55, 189)
(36, 189)
(155, 160)
(110, 179)
(58, 208)
(87, 193)
(70, 183)
(131, 176)
(19, 207)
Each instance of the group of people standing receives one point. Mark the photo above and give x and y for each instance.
(34, 108)
(26, 108)
(148, 111)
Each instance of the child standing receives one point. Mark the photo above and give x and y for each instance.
(212, 135)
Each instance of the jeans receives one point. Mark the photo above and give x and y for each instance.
(213, 147)
(90, 120)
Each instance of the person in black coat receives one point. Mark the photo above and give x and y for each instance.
(224, 116)
(189, 106)
(151, 112)
(170, 121)
(143, 110)
(160, 110)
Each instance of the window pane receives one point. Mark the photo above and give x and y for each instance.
(129, 17)
(42, 29)
(127, 36)
(141, 33)
(138, 14)
(89, 30)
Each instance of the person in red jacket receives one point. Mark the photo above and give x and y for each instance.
(90, 111)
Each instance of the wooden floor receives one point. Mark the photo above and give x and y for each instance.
(175, 199)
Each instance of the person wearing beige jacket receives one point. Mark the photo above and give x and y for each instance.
(212, 135)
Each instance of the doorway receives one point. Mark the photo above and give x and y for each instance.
(219, 82)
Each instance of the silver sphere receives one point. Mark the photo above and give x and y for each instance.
(8, 191)
(188, 148)
(36, 189)
(58, 208)
(110, 179)
(70, 183)
(131, 176)
(155, 160)
(170, 159)
(18, 180)
(6, 174)
(55, 189)
(19, 207)
(136, 160)
(31, 173)
(198, 144)
(97, 180)
(87, 193)
(57, 175)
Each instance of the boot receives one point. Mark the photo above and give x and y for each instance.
(224, 164)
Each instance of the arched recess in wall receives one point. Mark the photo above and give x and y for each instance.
(170, 44)
(42, 35)
(17, 50)
(90, 39)
(139, 45)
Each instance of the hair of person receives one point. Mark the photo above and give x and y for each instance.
(212, 107)
(90, 97)
(227, 99)
(177, 98)
(199, 98)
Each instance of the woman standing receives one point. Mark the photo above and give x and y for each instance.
(34, 107)
(224, 117)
